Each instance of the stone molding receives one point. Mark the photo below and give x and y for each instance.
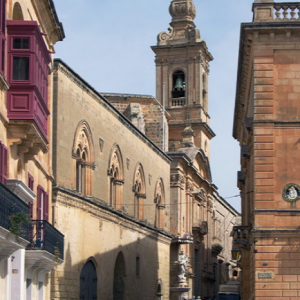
(53, 27)
(103, 212)
(249, 38)
(19, 188)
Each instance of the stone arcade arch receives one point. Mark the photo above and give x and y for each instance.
(119, 286)
(88, 282)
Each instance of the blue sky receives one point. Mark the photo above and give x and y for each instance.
(108, 44)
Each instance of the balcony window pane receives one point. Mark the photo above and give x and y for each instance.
(21, 43)
(21, 68)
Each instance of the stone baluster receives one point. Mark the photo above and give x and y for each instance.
(293, 12)
(277, 13)
(285, 12)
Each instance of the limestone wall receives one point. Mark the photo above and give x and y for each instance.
(94, 228)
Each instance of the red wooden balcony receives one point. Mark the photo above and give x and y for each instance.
(27, 74)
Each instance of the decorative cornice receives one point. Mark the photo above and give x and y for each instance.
(247, 38)
(241, 87)
(201, 45)
(54, 28)
(19, 188)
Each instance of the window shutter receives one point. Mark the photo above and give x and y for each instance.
(39, 203)
(31, 209)
(46, 206)
(30, 181)
(5, 165)
(3, 20)
(1, 162)
(2, 33)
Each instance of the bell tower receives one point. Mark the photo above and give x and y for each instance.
(182, 72)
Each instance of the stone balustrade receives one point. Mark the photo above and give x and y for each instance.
(276, 12)
(178, 101)
(287, 11)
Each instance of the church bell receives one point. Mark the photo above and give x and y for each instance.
(179, 84)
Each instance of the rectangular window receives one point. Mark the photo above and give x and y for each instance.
(21, 68)
(3, 164)
(21, 43)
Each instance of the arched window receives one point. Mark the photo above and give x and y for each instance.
(160, 204)
(17, 12)
(139, 189)
(83, 155)
(88, 281)
(115, 173)
(178, 87)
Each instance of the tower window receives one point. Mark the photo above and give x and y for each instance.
(178, 90)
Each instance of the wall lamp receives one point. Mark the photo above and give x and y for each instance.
(236, 254)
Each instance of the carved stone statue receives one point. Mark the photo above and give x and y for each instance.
(182, 263)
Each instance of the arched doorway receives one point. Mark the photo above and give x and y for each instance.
(119, 278)
(88, 282)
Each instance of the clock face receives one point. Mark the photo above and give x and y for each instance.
(291, 192)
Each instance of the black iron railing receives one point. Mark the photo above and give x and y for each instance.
(14, 213)
(44, 236)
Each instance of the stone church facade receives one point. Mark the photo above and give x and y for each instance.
(266, 124)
